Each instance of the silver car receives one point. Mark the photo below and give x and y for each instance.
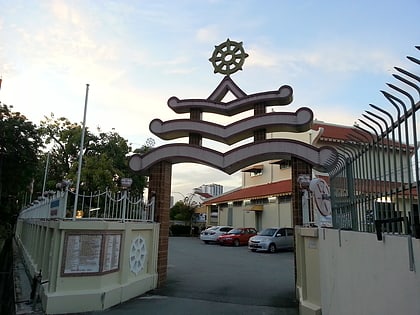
(271, 240)
(212, 233)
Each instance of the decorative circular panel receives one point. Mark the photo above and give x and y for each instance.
(138, 254)
(228, 57)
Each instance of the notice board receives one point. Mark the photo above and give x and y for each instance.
(90, 253)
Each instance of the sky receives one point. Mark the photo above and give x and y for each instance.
(135, 55)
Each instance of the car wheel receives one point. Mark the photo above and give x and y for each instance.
(272, 248)
(206, 242)
(236, 242)
(253, 250)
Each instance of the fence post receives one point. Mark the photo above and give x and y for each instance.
(124, 209)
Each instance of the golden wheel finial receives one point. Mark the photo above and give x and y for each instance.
(228, 57)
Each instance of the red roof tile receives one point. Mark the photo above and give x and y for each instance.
(254, 192)
(340, 133)
(343, 133)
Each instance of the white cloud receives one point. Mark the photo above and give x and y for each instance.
(187, 176)
(63, 12)
(329, 58)
(208, 35)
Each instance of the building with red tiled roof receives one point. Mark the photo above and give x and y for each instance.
(264, 199)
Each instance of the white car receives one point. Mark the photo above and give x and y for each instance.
(212, 233)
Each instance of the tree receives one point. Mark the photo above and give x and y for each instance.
(20, 144)
(62, 137)
(104, 161)
(184, 210)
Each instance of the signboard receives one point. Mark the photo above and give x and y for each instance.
(91, 254)
(322, 202)
(54, 207)
(126, 182)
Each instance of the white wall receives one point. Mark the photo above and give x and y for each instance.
(364, 276)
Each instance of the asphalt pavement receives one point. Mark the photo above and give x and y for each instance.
(212, 279)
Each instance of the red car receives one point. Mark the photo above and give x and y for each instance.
(236, 237)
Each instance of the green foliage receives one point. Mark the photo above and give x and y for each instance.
(104, 158)
(182, 211)
(19, 148)
(24, 164)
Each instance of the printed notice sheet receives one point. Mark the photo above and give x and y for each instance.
(111, 252)
(83, 253)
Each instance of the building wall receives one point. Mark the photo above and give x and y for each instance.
(270, 173)
(212, 189)
(273, 214)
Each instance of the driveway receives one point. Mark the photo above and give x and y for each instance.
(211, 279)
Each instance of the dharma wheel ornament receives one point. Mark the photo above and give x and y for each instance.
(228, 57)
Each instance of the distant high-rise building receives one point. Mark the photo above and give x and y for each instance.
(211, 189)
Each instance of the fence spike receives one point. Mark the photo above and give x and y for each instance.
(407, 73)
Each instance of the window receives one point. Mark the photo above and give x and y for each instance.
(255, 173)
(281, 232)
(284, 164)
(284, 199)
(237, 203)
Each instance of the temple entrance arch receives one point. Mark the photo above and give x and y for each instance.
(227, 58)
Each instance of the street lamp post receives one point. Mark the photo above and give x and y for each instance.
(125, 185)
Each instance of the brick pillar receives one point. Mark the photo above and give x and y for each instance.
(299, 167)
(196, 138)
(160, 184)
(259, 134)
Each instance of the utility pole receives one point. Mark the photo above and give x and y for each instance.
(82, 141)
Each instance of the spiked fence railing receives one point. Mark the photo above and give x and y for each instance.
(375, 184)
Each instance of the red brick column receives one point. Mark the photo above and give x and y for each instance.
(299, 167)
(160, 185)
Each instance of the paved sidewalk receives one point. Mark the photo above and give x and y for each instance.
(23, 286)
(150, 304)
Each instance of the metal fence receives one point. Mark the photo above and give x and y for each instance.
(106, 205)
(374, 186)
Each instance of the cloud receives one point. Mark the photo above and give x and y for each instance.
(208, 35)
(65, 13)
(196, 173)
(337, 58)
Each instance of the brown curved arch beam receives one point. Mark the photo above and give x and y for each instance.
(283, 96)
(322, 159)
(299, 121)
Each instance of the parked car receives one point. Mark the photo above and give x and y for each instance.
(272, 239)
(212, 234)
(236, 237)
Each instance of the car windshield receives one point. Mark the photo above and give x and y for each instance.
(235, 231)
(268, 232)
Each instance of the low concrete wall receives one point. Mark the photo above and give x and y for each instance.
(89, 265)
(308, 271)
(346, 272)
